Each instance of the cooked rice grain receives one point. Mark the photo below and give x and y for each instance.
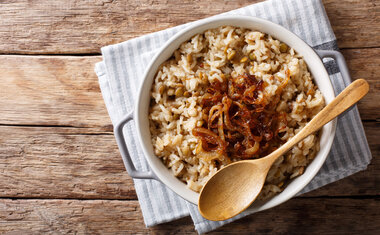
(214, 55)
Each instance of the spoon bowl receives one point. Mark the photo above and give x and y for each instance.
(235, 187)
(228, 202)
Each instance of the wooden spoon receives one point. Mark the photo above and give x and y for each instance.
(235, 187)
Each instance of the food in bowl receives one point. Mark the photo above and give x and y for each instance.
(230, 94)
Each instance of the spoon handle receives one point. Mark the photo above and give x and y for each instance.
(348, 97)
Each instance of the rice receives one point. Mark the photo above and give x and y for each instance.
(218, 55)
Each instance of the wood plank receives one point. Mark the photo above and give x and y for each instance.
(49, 90)
(84, 163)
(349, 20)
(61, 162)
(72, 27)
(64, 90)
(70, 217)
(364, 63)
(311, 216)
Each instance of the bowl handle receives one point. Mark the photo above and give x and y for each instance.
(129, 166)
(338, 57)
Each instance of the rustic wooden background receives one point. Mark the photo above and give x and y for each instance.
(60, 170)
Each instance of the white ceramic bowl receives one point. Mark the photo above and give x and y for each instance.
(315, 66)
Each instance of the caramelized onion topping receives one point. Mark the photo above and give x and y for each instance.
(241, 123)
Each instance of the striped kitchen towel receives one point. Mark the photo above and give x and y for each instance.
(120, 75)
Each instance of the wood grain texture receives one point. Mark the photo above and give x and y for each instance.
(64, 90)
(83, 163)
(364, 63)
(52, 90)
(56, 137)
(124, 217)
(61, 162)
(72, 27)
(356, 23)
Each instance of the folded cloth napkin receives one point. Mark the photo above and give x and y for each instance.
(120, 74)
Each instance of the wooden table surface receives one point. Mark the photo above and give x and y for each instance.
(60, 169)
